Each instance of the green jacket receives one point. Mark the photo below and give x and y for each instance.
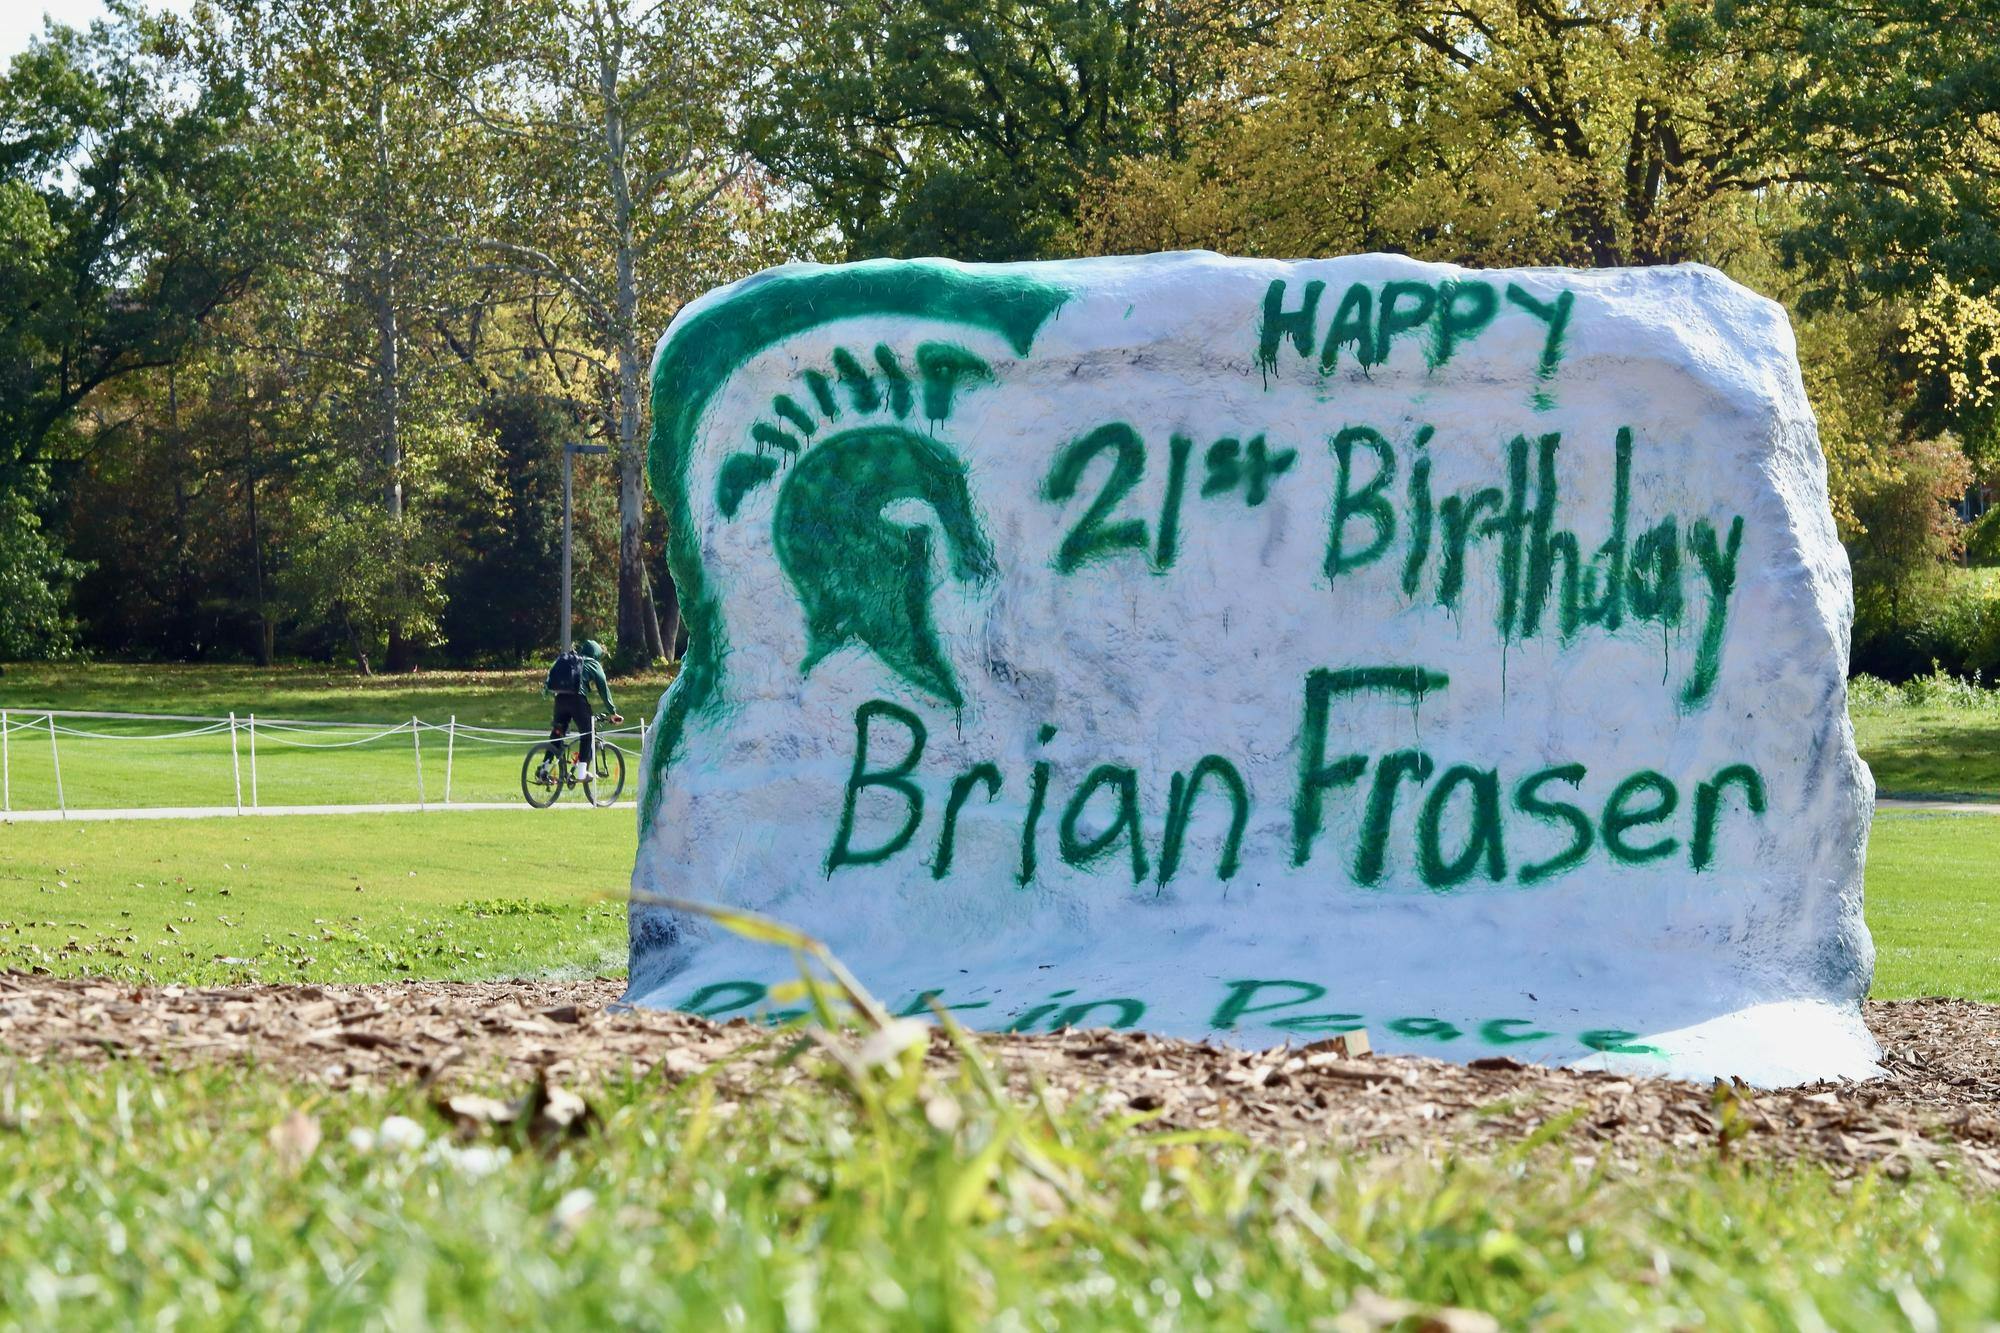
(593, 679)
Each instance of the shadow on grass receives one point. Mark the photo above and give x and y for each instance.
(1926, 752)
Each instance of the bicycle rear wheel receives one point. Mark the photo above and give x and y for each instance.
(607, 772)
(541, 775)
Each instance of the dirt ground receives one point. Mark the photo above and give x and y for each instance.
(1938, 1104)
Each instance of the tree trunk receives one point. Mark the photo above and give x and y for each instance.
(670, 623)
(360, 653)
(401, 654)
(184, 629)
(266, 639)
(655, 650)
(638, 630)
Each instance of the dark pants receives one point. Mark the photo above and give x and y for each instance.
(573, 708)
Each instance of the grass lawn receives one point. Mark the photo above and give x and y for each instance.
(1934, 905)
(503, 893)
(890, 1200)
(110, 764)
(1934, 750)
(322, 898)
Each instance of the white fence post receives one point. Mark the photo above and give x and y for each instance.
(417, 743)
(55, 760)
(639, 787)
(450, 745)
(6, 769)
(235, 763)
(253, 761)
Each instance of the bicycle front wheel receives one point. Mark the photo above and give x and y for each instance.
(607, 771)
(541, 775)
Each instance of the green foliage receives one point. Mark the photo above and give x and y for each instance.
(131, 198)
(1936, 735)
(967, 128)
(1489, 133)
(1939, 690)
(1907, 533)
(275, 263)
(622, 196)
(1886, 111)
(132, 207)
(35, 620)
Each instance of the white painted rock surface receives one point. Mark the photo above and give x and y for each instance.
(1259, 650)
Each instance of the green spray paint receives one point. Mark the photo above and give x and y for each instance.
(1181, 793)
(1629, 808)
(861, 578)
(1528, 797)
(1243, 999)
(895, 778)
(1078, 850)
(1708, 805)
(1316, 775)
(987, 775)
(1095, 536)
(709, 345)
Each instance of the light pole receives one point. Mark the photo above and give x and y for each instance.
(570, 451)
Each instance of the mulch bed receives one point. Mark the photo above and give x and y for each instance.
(1939, 1103)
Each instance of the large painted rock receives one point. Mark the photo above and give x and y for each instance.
(1260, 651)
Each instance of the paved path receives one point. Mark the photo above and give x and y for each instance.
(231, 812)
(1946, 806)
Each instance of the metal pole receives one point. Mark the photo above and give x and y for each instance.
(450, 744)
(235, 763)
(55, 758)
(417, 743)
(6, 770)
(253, 761)
(569, 463)
(639, 788)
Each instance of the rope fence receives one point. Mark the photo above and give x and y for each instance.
(168, 764)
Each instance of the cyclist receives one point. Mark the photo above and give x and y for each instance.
(578, 670)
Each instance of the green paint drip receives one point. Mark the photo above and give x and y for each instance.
(899, 379)
(787, 407)
(707, 347)
(822, 392)
(860, 384)
(765, 433)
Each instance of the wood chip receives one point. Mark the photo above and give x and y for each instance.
(1938, 1103)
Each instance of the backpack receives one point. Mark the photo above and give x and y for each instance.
(566, 675)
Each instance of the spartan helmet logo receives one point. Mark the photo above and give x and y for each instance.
(860, 576)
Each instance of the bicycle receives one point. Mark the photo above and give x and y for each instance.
(546, 770)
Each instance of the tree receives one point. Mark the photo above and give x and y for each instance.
(1487, 131)
(624, 200)
(360, 90)
(131, 208)
(969, 128)
(1889, 113)
(35, 617)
